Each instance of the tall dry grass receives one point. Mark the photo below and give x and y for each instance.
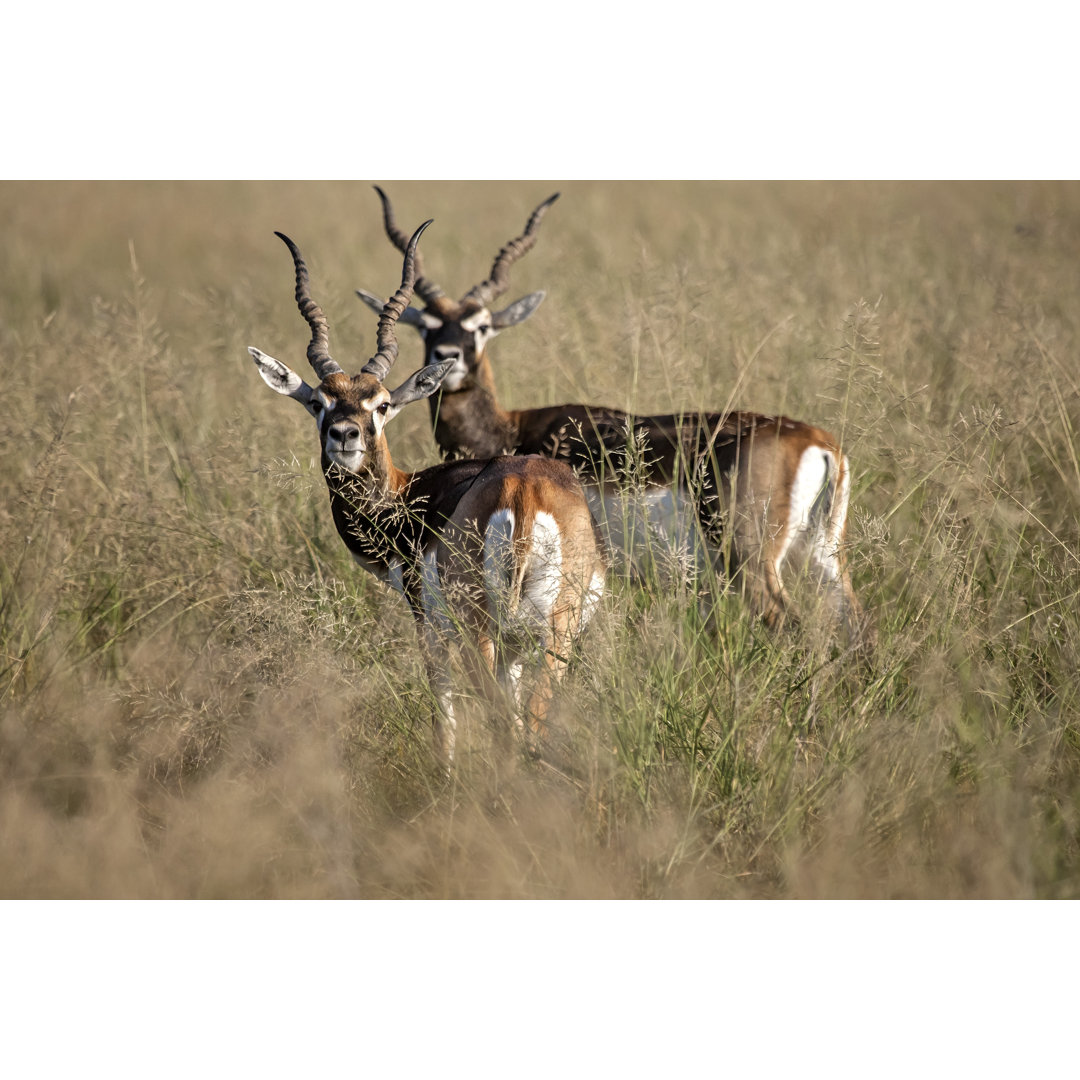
(201, 697)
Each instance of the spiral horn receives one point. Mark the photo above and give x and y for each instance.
(379, 365)
(318, 351)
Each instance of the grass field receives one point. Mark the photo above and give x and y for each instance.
(200, 696)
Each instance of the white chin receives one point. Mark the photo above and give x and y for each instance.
(456, 377)
(350, 462)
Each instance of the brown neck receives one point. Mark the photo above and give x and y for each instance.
(469, 422)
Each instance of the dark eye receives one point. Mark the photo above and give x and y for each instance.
(384, 407)
(315, 406)
(483, 329)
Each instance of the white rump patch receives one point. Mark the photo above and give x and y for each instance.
(543, 577)
(815, 511)
(522, 596)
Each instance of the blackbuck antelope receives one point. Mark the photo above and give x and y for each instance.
(757, 493)
(501, 554)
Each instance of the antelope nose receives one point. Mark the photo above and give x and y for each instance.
(345, 433)
(447, 352)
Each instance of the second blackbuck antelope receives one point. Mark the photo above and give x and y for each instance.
(501, 554)
(760, 494)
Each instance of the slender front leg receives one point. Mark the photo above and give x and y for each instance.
(444, 724)
(437, 666)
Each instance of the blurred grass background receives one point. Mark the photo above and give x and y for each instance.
(201, 696)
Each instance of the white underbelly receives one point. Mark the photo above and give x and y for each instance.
(651, 532)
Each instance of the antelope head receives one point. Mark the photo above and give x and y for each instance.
(352, 411)
(458, 332)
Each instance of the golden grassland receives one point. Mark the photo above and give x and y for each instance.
(200, 696)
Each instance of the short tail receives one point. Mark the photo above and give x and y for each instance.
(828, 513)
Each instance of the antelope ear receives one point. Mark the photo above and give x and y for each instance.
(420, 384)
(281, 377)
(517, 312)
(410, 316)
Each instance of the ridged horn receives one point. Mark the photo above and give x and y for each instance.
(428, 291)
(499, 280)
(383, 360)
(318, 351)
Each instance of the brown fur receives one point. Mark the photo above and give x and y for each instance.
(747, 459)
(384, 515)
(527, 486)
(738, 467)
(437, 519)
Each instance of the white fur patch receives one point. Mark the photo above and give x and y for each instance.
(655, 529)
(474, 322)
(372, 403)
(510, 680)
(482, 330)
(810, 479)
(541, 578)
(349, 460)
(592, 598)
(444, 700)
(543, 574)
(456, 375)
(815, 526)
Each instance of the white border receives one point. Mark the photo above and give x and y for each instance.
(563, 90)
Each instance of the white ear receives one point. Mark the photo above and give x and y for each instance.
(281, 377)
